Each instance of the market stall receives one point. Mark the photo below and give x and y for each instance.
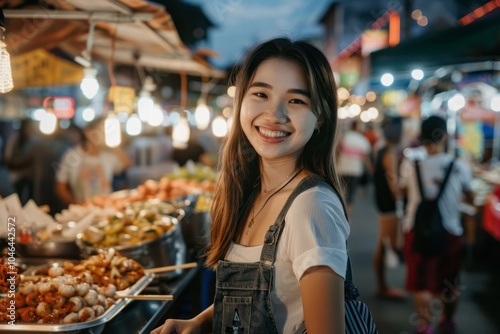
(100, 257)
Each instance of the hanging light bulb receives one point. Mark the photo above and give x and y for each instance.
(219, 126)
(112, 131)
(88, 114)
(89, 84)
(48, 123)
(156, 116)
(6, 83)
(145, 104)
(202, 115)
(133, 126)
(181, 133)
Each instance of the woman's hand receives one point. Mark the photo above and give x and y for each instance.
(202, 323)
(176, 326)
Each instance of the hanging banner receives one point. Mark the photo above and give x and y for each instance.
(40, 68)
(62, 106)
(123, 99)
(373, 40)
(472, 138)
(349, 71)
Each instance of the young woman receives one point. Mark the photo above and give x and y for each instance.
(278, 271)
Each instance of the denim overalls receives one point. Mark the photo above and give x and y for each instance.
(242, 301)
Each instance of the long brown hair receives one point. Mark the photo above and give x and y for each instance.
(239, 163)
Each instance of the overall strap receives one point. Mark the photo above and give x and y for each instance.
(274, 232)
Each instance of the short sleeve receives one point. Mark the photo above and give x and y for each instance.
(68, 162)
(112, 159)
(316, 231)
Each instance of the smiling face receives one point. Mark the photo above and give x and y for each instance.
(276, 114)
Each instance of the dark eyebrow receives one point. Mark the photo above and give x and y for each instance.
(293, 90)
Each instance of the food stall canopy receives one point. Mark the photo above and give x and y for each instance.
(475, 42)
(133, 32)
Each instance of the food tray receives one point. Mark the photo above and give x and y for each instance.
(89, 327)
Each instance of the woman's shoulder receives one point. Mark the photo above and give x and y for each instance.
(317, 198)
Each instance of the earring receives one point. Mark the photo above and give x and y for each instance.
(316, 131)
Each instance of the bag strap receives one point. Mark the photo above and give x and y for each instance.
(419, 179)
(446, 177)
(445, 180)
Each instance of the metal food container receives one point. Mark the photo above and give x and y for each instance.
(168, 249)
(196, 229)
(95, 326)
(56, 247)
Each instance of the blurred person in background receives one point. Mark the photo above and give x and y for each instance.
(435, 277)
(87, 169)
(353, 154)
(19, 159)
(6, 187)
(386, 193)
(47, 155)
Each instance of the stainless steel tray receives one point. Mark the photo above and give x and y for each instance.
(89, 327)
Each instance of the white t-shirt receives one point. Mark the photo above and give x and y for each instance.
(315, 234)
(432, 171)
(353, 150)
(88, 175)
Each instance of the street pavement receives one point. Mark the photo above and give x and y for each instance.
(478, 312)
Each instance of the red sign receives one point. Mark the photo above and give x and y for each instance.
(62, 106)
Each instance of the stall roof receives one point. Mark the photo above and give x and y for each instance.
(478, 41)
(133, 32)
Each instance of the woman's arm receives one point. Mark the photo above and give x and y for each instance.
(122, 157)
(202, 323)
(64, 194)
(389, 164)
(322, 293)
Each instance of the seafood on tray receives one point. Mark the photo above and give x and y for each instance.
(8, 275)
(62, 299)
(105, 268)
(72, 292)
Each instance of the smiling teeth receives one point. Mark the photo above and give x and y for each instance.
(272, 134)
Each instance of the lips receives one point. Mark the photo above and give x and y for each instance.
(272, 133)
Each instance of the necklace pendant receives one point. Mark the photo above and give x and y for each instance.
(250, 225)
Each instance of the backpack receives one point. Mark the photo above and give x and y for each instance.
(429, 233)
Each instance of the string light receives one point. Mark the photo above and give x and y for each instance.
(6, 83)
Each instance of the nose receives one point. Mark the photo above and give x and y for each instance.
(279, 112)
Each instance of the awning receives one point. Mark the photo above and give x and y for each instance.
(476, 42)
(133, 32)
